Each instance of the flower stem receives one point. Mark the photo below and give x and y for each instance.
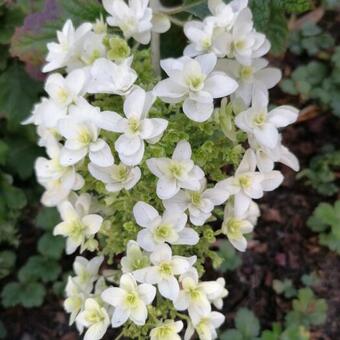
(156, 53)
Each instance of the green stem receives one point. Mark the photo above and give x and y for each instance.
(177, 22)
(179, 9)
(120, 335)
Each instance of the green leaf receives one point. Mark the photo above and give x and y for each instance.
(273, 334)
(311, 280)
(11, 18)
(30, 294)
(11, 294)
(285, 287)
(3, 152)
(33, 295)
(307, 309)
(22, 156)
(269, 18)
(39, 268)
(247, 323)
(297, 6)
(198, 8)
(232, 334)
(47, 218)
(15, 197)
(51, 246)
(295, 333)
(231, 260)
(7, 262)
(18, 92)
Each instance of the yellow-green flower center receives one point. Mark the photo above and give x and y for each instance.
(164, 331)
(84, 136)
(194, 293)
(163, 231)
(245, 181)
(196, 198)
(246, 72)
(233, 228)
(206, 43)
(120, 173)
(62, 95)
(76, 229)
(165, 269)
(94, 316)
(196, 82)
(131, 299)
(240, 44)
(176, 169)
(260, 119)
(134, 125)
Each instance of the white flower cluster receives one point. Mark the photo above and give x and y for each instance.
(223, 58)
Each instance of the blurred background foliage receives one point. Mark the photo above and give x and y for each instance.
(31, 263)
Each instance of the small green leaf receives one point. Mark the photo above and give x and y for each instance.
(7, 261)
(47, 218)
(29, 294)
(18, 92)
(232, 334)
(51, 246)
(39, 268)
(3, 152)
(231, 260)
(247, 323)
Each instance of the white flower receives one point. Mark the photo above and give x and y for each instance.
(134, 18)
(82, 138)
(160, 21)
(168, 330)
(193, 82)
(76, 226)
(217, 296)
(75, 299)
(136, 127)
(129, 300)
(95, 318)
(263, 124)
(86, 271)
(226, 14)
(46, 114)
(164, 271)
(135, 258)
(249, 184)
(90, 49)
(109, 77)
(116, 177)
(266, 157)
(246, 43)
(205, 37)
(58, 180)
(157, 230)
(235, 225)
(250, 77)
(59, 54)
(193, 295)
(65, 91)
(177, 172)
(200, 203)
(205, 326)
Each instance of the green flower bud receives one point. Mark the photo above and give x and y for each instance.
(118, 49)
